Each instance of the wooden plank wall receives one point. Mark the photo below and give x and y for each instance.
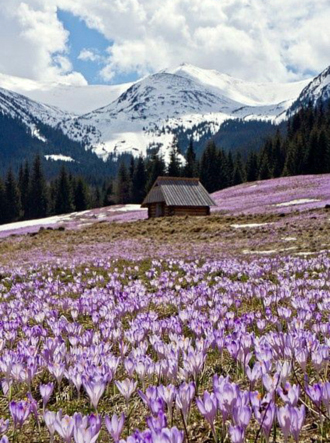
(179, 210)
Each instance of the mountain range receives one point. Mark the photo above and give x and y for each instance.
(109, 121)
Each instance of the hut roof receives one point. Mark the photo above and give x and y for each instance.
(177, 191)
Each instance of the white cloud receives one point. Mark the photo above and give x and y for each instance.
(90, 55)
(277, 40)
(33, 42)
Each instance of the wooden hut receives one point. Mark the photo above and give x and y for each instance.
(177, 196)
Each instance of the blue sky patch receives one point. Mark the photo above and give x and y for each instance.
(83, 38)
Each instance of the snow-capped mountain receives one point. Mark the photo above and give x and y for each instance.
(149, 112)
(134, 118)
(317, 90)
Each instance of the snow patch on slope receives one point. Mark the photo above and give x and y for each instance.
(59, 157)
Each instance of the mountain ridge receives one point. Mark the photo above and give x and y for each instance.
(149, 113)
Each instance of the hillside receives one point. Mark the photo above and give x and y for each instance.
(279, 195)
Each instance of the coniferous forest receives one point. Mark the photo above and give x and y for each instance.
(304, 149)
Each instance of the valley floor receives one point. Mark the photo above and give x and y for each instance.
(295, 233)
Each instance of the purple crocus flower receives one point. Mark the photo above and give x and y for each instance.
(156, 424)
(289, 394)
(4, 439)
(64, 426)
(227, 395)
(236, 434)
(167, 435)
(19, 412)
(208, 407)
(115, 426)
(4, 424)
(284, 420)
(46, 392)
(297, 421)
(184, 398)
(167, 394)
(95, 388)
(242, 416)
(57, 370)
(315, 393)
(150, 394)
(49, 418)
(86, 429)
(265, 417)
(126, 387)
(326, 395)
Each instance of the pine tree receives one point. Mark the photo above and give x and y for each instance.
(64, 195)
(174, 167)
(38, 193)
(290, 167)
(2, 203)
(81, 197)
(108, 198)
(53, 187)
(277, 156)
(323, 152)
(24, 188)
(224, 176)
(97, 198)
(210, 168)
(252, 167)
(139, 182)
(230, 166)
(190, 168)
(12, 198)
(155, 168)
(123, 186)
(131, 167)
(239, 173)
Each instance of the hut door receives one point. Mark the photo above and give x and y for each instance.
(159, 210)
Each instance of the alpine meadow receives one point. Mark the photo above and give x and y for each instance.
(164, 221)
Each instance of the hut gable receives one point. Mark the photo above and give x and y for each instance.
(177, 196)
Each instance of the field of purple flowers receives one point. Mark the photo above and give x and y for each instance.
(166, 351)
(195, 330)
(303, 192)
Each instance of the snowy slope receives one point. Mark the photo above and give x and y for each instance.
(317, 90)
(146, 115)
(74, 99)
(248, 93)
(30, 112)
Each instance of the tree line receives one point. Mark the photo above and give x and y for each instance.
(305, 149)
(30, 196)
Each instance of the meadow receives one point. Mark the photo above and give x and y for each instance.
(176, 330)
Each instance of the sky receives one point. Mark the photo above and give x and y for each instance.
(114, 41)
